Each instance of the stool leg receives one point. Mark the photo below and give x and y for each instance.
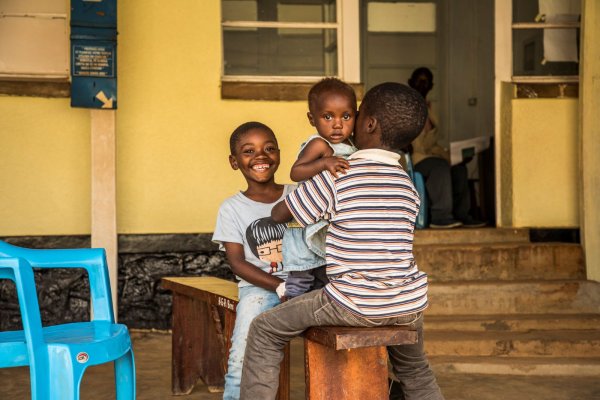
(284, 375)
(345, 374)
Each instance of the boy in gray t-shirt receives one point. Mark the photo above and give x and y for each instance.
(250, 238)
(243, 220)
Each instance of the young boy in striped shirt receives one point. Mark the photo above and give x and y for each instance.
(374, 280)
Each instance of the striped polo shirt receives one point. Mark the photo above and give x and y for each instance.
(372, 211)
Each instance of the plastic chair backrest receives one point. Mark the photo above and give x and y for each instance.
(92, 260)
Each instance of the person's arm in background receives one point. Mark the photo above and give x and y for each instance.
(426, 144)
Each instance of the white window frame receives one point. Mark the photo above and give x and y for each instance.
(348, 38)
(40, 74)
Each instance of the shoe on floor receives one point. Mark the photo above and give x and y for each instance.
(473, 223)
(445, 224)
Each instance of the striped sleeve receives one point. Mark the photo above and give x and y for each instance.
(313, 200)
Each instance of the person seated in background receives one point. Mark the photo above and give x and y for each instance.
(447, 186)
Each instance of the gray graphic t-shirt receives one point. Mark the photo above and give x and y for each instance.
(248, 222)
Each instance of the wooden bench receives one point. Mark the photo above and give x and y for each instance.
(203, 321)
(347, 363)
(342, 363)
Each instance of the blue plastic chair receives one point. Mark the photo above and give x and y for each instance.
(58, 355)
(419, 182)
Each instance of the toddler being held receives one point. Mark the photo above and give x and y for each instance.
(332, 111)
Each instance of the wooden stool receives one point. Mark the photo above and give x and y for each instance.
(350, 363)
(203, 321)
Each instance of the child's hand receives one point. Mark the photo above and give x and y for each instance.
(281, 292)
(335, 165)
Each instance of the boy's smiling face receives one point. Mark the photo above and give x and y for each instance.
(334, 117)
(256, 156)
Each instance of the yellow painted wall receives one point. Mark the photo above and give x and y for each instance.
(172, 133)
(545, 161)
(44, 167)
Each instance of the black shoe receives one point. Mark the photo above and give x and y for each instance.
(473, 223)
(445, 224)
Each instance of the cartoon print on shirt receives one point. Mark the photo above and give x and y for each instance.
(264, 238)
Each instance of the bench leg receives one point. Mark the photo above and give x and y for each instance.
(345, 374)
(197, 350)
(284, 375)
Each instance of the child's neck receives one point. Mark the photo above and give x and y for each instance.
(268, 192)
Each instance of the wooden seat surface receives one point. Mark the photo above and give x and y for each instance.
(342, 337)
(208, 284)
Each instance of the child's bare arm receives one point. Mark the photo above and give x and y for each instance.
(317, 156)
(247, 271)
(281, 213)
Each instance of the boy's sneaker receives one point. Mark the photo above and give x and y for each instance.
(473, 223)
(445, 224)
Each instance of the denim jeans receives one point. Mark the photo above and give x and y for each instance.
(253, 301)
(270, 332)
(304, 248)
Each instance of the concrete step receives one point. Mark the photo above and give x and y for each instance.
(529, 366)
(500, 261)
(575, 343)
(462, 236)
(511, 322)
(518, 297)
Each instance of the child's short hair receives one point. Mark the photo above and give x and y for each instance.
(325, 85)
(400, 111)
(241, 130)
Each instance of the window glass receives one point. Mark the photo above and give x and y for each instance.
(34, 39)
(534, 55)
(545, 37)
(525, 10)
(283, 38)
(544, 10)
(280, 51)
(279, 10)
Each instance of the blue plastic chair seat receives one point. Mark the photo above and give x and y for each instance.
(105, 341)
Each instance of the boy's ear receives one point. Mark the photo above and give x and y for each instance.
(372, 124)
(310, 118)
(233, 162)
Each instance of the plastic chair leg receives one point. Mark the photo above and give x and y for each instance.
(65, 376)
(39, 383)
(125, 376)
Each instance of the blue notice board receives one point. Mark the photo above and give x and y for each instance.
(93, 54)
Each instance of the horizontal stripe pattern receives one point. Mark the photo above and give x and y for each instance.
(372, 211)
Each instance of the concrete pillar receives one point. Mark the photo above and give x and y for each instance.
(104, 208)
(503, 74)
(589, 107)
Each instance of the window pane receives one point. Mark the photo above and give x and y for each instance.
(525, 10)
(280, 52)
(33, 46)
(34, 6)
(279, 10)
(531, 53)
(548, 10)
